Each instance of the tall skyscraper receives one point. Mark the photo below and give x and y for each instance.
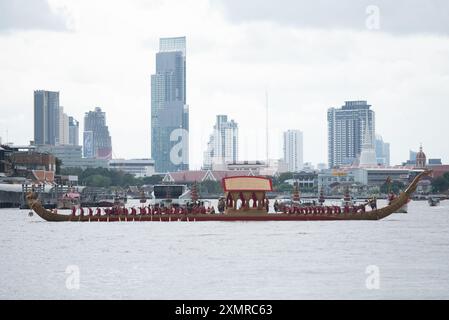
(346, 131)
(169, 111)
(293, 150)
(412, 156)
(97, 141)
(382, 151)
(46, 117)
(63, 127)
(74, 132)
(223, 143)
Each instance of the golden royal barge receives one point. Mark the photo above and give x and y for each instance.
(244, 200)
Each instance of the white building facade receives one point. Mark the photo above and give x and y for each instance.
(293, 150)
(223, 143)
(347, 127)
(139, 168)
(63, 127)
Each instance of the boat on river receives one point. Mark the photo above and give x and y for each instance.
(166, 195)
(244, 200)
(433, 202)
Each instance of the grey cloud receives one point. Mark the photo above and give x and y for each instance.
(399, 16)
(29, 15)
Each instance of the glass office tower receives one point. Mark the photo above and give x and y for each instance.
(169, 110)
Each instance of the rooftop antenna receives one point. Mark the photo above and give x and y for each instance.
(267, 139)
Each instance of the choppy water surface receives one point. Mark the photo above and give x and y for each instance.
(222, 260)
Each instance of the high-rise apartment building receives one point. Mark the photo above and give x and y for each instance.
(169, 111)
(97, 140)
(74, 131)
(293, 150)
(382, 151)
(46, 117)
(347, 131)
(223, 143)
(63, 127)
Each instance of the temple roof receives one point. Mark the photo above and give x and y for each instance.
(202, 175)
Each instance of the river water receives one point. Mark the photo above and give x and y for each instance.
(403, 256)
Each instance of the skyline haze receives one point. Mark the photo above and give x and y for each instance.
(97, 57)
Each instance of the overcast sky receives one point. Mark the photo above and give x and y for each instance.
(308, 55)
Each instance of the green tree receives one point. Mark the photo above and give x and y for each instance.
(98, 181)
(285, 176)
(210, 187)
(72, 172)
(440, 184)
(113, 178)
(284, 187)
(58, 164)
(395, 186)
(156, 179)
(446, 176)
(130, 180)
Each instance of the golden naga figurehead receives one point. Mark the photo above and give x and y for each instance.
(31, 196)
(412, 187)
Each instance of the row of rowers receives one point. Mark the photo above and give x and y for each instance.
(143, 210)
(323, 209)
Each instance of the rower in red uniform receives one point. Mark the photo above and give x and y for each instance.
(98, 212)
(73, 211)
(91, 212)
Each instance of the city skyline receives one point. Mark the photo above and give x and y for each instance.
(396, 82)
